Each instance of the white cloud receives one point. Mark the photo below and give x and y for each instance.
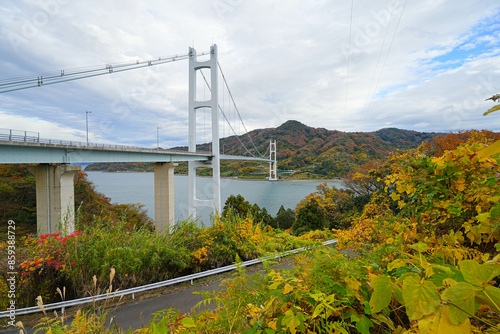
(285, 60)
(19, 124)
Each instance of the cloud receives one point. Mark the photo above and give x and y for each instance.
(56, 131)
(426, 66)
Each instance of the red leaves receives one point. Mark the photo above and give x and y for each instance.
(56, 236)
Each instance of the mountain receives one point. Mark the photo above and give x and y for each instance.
(325, 152)
(328, 153)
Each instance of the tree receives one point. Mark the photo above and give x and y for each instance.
(285, 218)
(367, 178)
(238, 205)
(241, 207)
(310, 216)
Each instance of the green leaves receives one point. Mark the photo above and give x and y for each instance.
(187, 322)
(382, 293)
(493, 297)
(479, 274)
(462, 296)
(421, 298)
(363, 324)
(419, 247)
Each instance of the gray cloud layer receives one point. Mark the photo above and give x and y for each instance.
(426, 65)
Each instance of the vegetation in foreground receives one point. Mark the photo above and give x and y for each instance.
(421, 257)
(54, 261)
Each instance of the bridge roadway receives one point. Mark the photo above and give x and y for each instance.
(15, 152)
(31, 152)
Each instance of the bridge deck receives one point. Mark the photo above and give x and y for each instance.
(26, 152)
(12, 152)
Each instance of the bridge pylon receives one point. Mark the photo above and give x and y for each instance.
(213, 103)
(273, 161)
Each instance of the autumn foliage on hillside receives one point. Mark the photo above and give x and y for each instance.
(325, 152)
(316, 151)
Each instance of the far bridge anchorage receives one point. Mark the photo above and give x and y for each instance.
(57, 161)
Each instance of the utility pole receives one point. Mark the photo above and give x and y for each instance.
(87, 112)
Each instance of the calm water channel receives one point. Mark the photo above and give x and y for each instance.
(139, 188)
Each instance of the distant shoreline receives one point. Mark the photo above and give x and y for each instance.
(233, 177)
(282, 180)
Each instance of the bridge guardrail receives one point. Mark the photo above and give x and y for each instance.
(147, 287)
(21, 136)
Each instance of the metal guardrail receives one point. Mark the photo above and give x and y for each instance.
(20, 136)
(131, 291)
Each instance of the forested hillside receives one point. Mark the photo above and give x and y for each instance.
(310, 151)
(327, 152)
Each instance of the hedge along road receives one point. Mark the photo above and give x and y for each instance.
(137, 313)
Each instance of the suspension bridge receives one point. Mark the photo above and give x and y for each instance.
(55, 159)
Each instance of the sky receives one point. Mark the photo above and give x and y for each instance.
(356, 66)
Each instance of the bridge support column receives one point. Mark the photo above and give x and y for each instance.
(164, 196)
(55, 197)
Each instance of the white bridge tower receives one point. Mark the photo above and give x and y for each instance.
(212, 103)
(273, 162)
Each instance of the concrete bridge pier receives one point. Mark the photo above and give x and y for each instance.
(164, 196)
(55, 197)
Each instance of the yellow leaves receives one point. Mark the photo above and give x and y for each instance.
(460, 184)
(272, 324)
(454, 238)
(396, 264)
(254, 311)
(489, 151)
(292, 321)
(395, 196)
(187, 322)
(287, 289)
(200, 256)
(439, 323)
(271, 306)
(495, 108)
(352, 283)
(439, 161)
(479, 274)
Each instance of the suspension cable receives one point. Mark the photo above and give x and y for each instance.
(236, 108)
(25, 82)
(229, 123)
